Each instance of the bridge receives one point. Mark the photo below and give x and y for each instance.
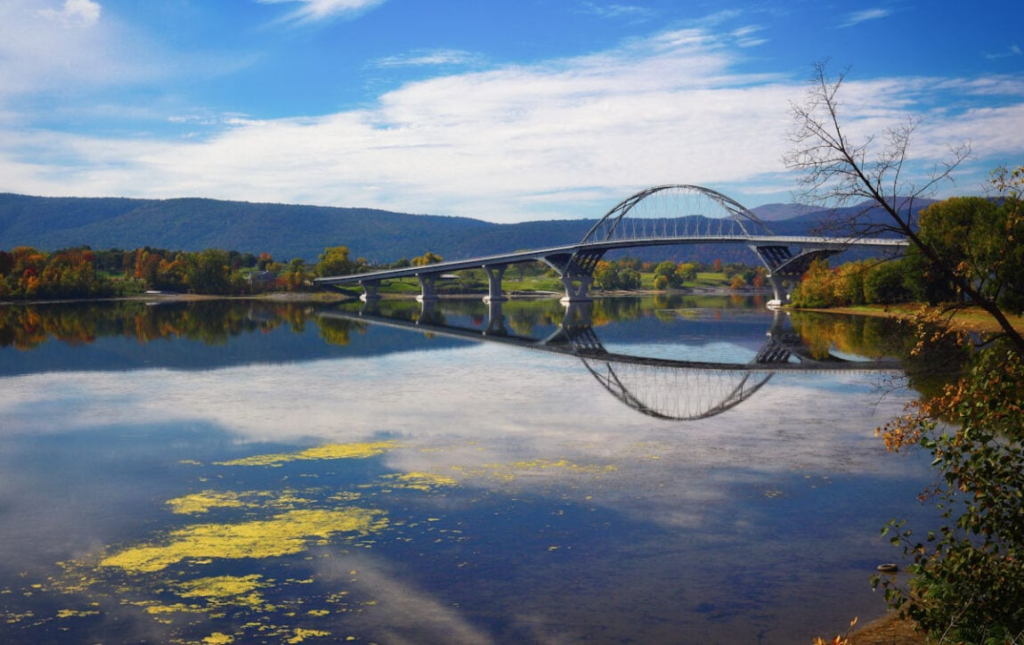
(675, 390)
(670, 215)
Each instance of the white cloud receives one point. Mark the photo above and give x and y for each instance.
(567, 138)
(82, 12)
(863, 16)
(313, 10)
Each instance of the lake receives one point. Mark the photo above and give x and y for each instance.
(659, 470)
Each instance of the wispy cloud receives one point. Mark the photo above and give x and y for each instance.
(632, 12)
(745, 36)
(1009, 52)
(863, 16)
(429, 58)
(315, 10)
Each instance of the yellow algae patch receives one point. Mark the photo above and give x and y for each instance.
(72, 613)
(329, 451)
(171, 609)
(303, 634)
(217, 638)
(221, 586)
(285, 534)
(198, 503)
(421, 481)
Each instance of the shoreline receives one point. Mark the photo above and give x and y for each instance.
(329, 296)
(971, 319)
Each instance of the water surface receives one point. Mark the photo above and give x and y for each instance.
(217, 472)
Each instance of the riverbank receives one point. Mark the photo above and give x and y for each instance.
(971, 319)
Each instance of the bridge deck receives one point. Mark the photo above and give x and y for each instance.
(570, 249)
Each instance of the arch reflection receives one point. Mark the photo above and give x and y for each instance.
(661, 388)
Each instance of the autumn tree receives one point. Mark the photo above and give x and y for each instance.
(425, 259)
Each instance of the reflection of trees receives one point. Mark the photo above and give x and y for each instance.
(338, 331)
(211, 322)
(927, 369)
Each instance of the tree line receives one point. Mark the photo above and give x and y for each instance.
(975, 240)
(27, 273)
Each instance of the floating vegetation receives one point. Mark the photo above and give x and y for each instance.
(250, 572)
(285, 534)
(425, 482)
(330, 451)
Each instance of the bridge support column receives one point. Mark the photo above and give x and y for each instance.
(779, 290)
(427, 287)
(494, 276)
(370, 290)
(577, 288)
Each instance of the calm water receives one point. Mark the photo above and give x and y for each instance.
(240, 472)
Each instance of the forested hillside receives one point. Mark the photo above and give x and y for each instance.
(296, 231)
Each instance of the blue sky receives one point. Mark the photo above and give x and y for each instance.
(494, 109)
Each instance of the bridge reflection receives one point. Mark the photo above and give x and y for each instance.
(662, 388)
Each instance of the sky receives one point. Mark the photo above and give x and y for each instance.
(494, 109)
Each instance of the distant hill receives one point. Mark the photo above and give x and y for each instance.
(287, 231)
(776, 212)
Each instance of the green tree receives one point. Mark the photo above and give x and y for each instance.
(885, 284)
(686, 272)
(208, 272)
(666, 270)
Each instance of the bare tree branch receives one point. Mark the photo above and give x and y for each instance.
(835, 171)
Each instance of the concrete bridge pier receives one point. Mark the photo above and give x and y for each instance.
(577, 288)
(370, 290)
(779, 290)
(428, 283)
(494, 275)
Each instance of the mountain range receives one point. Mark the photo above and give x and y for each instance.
(299, 231)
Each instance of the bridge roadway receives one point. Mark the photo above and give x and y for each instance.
(575, 262)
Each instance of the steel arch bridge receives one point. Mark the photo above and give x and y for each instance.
(668, 215)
